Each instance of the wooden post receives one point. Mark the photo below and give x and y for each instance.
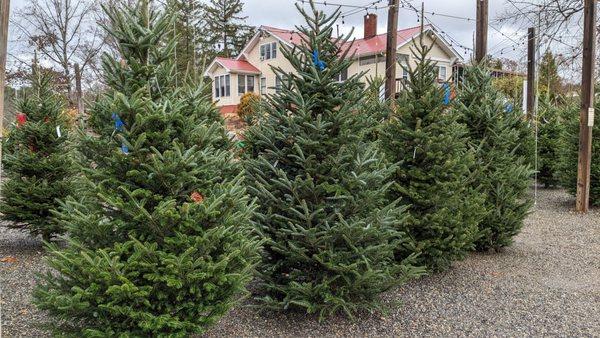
(586, 116)
(481, 34)
(78, 90)
(531, 92)
(4, 15)
(390, 51)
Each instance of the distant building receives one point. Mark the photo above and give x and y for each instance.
(251, 71)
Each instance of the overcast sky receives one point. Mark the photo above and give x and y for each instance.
(283, 14)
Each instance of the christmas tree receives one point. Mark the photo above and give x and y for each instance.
(329, 231)
(433, 178)
(162, 245)
(550, 129)
(503, 173)
(37, 165)
(569, 153)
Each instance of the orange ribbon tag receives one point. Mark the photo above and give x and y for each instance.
(197, 197)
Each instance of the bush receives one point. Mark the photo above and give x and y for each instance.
(503, 172)
(330, 234)
(160, 238)
(249, 105)
(432, 180)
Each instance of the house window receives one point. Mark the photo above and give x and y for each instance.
(441, 73)
(263, 85)
(277, 84)
(241, 84)
(402, 58)
(371, 59)
(268, 51)
(343, 75)
(250, 83)
(404, 74)
(222, 86)
(245, 83)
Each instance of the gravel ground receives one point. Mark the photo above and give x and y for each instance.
(546, 284)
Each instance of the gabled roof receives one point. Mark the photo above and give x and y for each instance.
(360, 47)
(377, 44)
(233, 66)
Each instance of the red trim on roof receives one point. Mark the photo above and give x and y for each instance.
(369, 46)
(237, 65)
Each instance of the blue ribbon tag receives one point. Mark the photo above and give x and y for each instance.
(119, 124)
(446, 93)
(319, 63)
(124, 149)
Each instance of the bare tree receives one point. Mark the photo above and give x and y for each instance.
(559, 23)
(63, 32)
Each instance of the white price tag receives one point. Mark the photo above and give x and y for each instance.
(590, 117)
(58, 133)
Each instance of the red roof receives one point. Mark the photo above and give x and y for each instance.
(237, 65)
(286, 35)
(369, 46)
(377, 43)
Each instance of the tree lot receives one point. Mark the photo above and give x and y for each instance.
(334, 198)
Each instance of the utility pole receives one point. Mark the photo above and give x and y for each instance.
(531, 74)
(586, 117)
(4, 14)
(78, 90)
(390, 51)
(481, 35)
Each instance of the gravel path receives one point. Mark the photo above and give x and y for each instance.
(547, 283)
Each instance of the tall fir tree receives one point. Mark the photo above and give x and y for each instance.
(329, 232)
(225, 26)
(433, 178)
(37, 166)
(550, 83)
(569, 152)
(162, 244)
(190, 52)
(550, 130)
(503, 172)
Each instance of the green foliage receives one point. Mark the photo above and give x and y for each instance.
(549, 83)
(550, 129)
(160, 242)
(511, 87)
(569, 153)
(330, 233)
(225, 26)
(36, 161)
(432, 180)
(503, 172)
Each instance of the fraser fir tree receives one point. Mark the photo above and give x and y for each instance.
(433, 178)
(550, 129)
(503, 173)
(329, 232)
(37, 167)
(161, 246)
(569, 153)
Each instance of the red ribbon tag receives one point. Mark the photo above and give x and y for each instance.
(21, 119)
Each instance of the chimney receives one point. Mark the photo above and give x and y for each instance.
(370, 25)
